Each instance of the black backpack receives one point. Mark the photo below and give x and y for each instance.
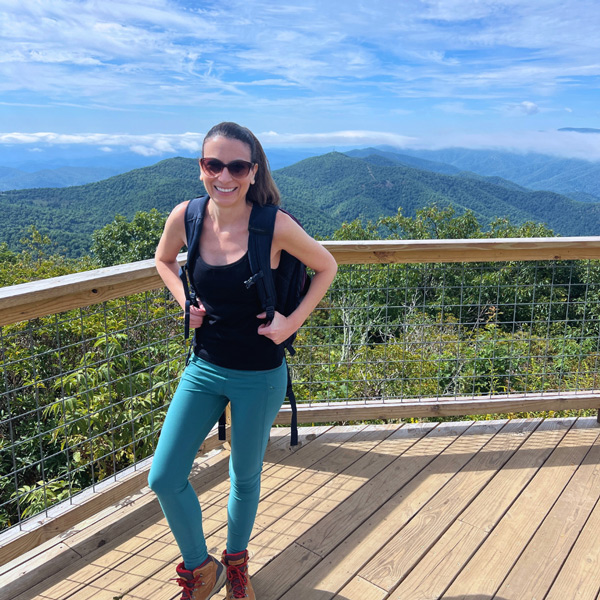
(282, 292)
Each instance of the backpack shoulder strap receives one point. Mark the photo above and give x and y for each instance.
(260, 236)
(194, 218)
(260, 228)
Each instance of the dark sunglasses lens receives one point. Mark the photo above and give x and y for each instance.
(239, 168)
(212, 167)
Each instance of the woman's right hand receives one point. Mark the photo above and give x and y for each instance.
(196, 316)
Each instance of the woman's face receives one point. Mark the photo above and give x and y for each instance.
(224, 188)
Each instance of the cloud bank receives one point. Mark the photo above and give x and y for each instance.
(568, 144)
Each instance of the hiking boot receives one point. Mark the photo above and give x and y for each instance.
(201, 583)
(238, 580)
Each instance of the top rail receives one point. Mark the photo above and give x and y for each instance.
(59, 294)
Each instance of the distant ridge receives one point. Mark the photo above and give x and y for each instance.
(578, 179)
(370, 155)
(16, 179)
(580, 129)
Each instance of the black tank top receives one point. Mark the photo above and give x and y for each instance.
(228, 336)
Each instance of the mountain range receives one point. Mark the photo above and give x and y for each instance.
(18, 179)
(578, 179)
(347, 187)
(323, 191)
(22, 170)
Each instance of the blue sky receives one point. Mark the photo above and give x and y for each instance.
(153, 76)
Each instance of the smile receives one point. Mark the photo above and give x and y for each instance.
(219, 189)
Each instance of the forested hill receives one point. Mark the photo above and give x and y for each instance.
(70, 215)
(344, 188)
(575, 178)
(322, 191)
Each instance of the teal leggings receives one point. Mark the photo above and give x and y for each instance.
(201, 397)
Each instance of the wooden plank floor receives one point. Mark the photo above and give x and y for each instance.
(471, 510)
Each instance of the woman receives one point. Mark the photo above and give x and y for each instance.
(237, 356)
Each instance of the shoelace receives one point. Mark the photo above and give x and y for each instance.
(238, 579)
(188, 586)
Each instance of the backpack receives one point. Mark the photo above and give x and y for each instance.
(281, 290)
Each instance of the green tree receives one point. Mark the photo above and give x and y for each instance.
(125, 241)
(39, 258)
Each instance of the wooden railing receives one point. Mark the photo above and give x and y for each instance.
(49, 297)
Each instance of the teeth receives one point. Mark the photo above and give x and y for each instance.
(224, 189)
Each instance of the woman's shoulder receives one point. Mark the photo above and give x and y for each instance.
(285, 223)
(178, 213)
(175, 225)
(288, 234)
(181, 207)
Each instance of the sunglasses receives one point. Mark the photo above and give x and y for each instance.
(213, 167)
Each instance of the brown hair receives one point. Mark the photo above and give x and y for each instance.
(264, 191)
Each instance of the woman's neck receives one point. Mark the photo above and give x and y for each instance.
(225, 218)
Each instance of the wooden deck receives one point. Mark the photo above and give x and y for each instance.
(470, 510)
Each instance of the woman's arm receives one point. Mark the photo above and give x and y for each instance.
(289, 236)
(169, 246)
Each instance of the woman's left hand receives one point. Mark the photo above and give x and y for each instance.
(278, 330)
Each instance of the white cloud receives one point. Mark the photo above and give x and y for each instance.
(342, 138)
(434, 56)
(266, 82)
(129, 47)
(529, 108)
(567, 144)
(68, 48)
(147, 145)
(157, 144)
(145, 150)
(460, 10)
(457, 108)
(191, 146)
(44, 56)
(522, 108)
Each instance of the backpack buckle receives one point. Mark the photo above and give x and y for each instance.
(252, 280)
